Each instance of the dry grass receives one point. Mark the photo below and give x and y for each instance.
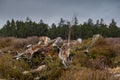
(21, 43)
(13, 44)
(12, 69)
(5, 42)
(105, 52)
(114, 70)
(85, 74)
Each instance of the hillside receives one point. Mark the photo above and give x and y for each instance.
(101, 62)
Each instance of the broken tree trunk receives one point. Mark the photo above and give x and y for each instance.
(34, 70)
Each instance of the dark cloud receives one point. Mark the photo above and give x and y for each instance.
(52, 10)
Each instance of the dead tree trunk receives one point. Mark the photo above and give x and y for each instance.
(69, 34)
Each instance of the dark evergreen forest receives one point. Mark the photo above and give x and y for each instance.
(23, 29)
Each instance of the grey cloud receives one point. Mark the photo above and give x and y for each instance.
(52, 10)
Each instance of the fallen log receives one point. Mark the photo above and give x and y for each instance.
(34, 70)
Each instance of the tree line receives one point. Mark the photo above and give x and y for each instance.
(23, 29)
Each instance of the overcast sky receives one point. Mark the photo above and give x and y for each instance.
(52, 10)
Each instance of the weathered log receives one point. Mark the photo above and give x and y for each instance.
(34, 70)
